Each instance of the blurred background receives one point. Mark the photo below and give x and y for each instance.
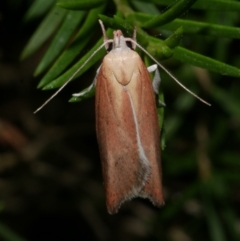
(51, 185)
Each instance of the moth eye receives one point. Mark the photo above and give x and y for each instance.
(110, 47)
(129, 44)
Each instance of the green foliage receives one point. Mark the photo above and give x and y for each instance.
(44, 31)
(176, 10)
(80, 4)
(154, 45)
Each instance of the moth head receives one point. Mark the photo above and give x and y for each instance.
(119, 41)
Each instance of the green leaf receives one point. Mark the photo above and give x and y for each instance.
(44, 31)
(82, 38)
(196, 27)
(163, 49)
(193, 27)
(117, 23)
(60, 40)
(88, 95)
(159, 49)
(217, 5)
(81, 4)
(68, 74)
(37, 9)
(175, 11)
(205, 62)
(173, 40)
(209, 5)
(145, 7)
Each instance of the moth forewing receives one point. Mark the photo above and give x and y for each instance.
(127, 128)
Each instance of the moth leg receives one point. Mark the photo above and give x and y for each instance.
(90, 88)
(156, 78)
(156, 81)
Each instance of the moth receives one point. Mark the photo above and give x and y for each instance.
(127, 126)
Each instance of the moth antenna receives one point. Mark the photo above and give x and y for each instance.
(60, 89)
(105, 37)
(134, 38)
(168, 72)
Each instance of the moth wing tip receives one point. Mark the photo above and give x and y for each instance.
(113, 208)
